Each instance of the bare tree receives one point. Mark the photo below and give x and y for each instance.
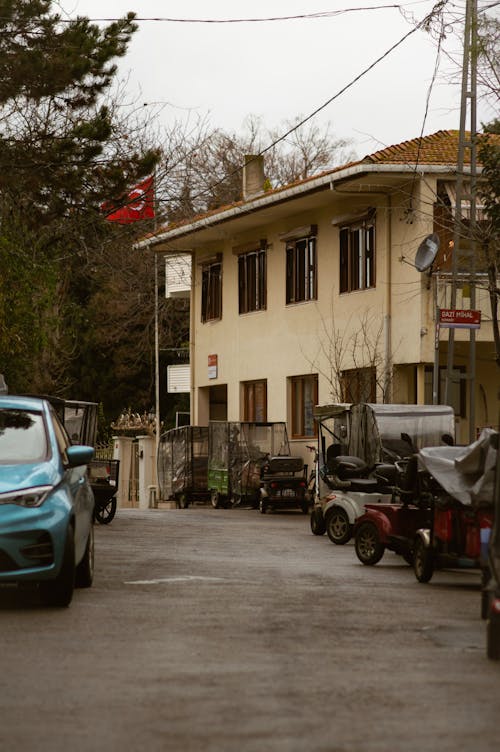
(351, 358)
(202, 168)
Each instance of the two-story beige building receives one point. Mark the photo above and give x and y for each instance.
(309, 294)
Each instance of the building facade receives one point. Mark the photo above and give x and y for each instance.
(310, 295)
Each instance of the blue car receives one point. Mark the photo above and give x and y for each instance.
(46, 502)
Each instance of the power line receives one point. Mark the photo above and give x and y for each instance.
(426, 20)
(297, 17)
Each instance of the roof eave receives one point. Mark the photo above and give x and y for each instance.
(322, 182)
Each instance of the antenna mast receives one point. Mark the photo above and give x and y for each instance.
(468, 97)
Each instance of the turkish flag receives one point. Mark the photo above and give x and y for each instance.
(139, 205)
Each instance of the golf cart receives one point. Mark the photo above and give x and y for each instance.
(359, 448)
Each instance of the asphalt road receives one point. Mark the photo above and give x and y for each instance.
(231, 631)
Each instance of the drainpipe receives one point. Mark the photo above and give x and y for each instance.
(192, 349)
(388, 306)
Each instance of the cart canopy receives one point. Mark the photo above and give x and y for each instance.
(376, 430)
(237, 450)
(373, 432)
(182, 461)
(466, 473)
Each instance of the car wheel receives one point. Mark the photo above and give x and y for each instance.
(104, 513)
(59, 592)
(215, 499)
(317, 522)
(84, 574)
(368, 546)
(338, 527)
(423, 561)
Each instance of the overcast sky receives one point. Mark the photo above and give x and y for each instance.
(281, 69)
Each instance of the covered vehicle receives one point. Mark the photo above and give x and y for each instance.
(459, 488)
(46, 502)
(238, 451)
(182, 465)
(359, 445)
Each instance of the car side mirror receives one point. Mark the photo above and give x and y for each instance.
(79, 455)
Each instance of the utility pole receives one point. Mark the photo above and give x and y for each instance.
(467, 102)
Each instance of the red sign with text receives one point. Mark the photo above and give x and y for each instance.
(212, 366)
(459, 319)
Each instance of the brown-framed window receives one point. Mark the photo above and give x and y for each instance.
(301, 270)
(357, 256)
(252, 281)
(359, 385)
(211, 291)
(457, 390)
(304, 394)
(255, 400)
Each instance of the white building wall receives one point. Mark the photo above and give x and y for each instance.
(285, 341)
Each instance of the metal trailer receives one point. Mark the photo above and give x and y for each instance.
(182, 465)
(104, 475)
(237, 453)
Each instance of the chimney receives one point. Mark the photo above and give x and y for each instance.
(253, 176)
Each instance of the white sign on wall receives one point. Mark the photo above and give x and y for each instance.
(178, 378)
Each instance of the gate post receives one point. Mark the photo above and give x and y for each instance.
(147, 469)
(122, 450)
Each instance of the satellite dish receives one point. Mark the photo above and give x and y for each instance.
(427, 252)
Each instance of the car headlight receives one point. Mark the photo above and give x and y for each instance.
(28, 497)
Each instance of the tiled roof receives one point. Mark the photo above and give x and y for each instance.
(439, 148)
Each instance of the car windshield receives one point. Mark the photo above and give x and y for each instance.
(22, 436)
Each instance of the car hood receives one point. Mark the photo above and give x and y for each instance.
(17, 477)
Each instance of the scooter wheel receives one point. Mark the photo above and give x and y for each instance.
(423, 561)
(338, 527)
(317, 522)
(367, 544)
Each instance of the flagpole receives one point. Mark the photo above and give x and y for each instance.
(157, 345)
